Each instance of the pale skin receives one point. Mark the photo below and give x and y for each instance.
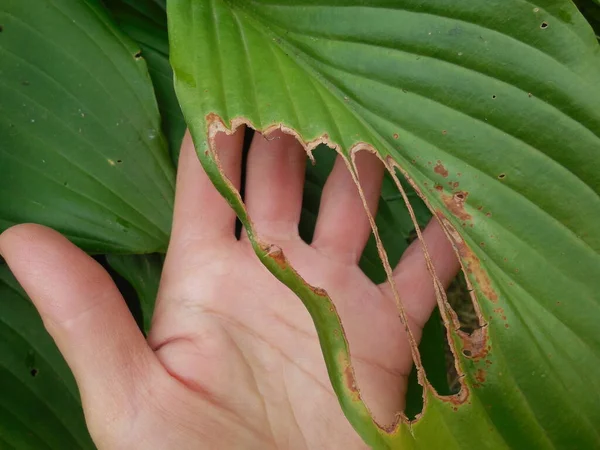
(232, 360)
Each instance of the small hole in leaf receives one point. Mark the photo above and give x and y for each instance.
(119, 161)
(34, 372)
(501, 176)
(467, 353)
(494, 96)
(544, 25)
(138, 55)
(460, 195)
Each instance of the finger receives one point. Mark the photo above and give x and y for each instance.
(274, 184)
(83, 311)
(201, 213)
(343, 228)
(413, 280)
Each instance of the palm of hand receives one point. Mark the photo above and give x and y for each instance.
(233, 359)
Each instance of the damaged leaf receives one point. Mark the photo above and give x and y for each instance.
(451, 94)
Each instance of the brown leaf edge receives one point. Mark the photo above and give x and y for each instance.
(330, 331)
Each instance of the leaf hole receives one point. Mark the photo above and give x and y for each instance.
(501, 176)
(119, 161)
(494, 96)
(138, 55)
(33, 372)
(544, 25)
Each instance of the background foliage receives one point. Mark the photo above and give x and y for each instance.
(89, 133)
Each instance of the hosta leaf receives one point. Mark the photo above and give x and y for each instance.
(80, 142)
(591, 11)
(39, 402)
(393, 220)
(143, 273)
(490, 109)
(146, 22)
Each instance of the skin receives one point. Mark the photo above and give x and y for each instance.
(232, 360)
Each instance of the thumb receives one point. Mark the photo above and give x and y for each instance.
(86, 315)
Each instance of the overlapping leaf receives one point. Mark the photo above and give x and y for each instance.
(146, 22)
(491, 109)
(39, 402)
(143, 273)
(80, 143)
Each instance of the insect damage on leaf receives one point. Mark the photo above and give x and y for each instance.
(456, 204)
(440, 169)
(475, 345)
(276, 254)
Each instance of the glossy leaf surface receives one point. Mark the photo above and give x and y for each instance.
(80, 143)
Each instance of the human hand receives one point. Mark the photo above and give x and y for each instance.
(233, 360)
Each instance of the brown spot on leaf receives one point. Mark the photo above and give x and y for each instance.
(448, 226)
(480, 375)
(475, 344)
(473, 267)
(440, 169)
(457, 399)
(350, 382)
(320, 292)
(276, 255)
(456, 204)
(396, 136)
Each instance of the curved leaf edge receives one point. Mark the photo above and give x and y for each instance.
(330, 331)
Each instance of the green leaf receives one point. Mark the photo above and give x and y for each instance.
(393, 221)
(591, 11)
(143, 273)
(146, 22)
(39, 406)
(490, 109)
(80, 142)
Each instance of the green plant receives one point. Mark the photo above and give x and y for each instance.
(486, 110)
